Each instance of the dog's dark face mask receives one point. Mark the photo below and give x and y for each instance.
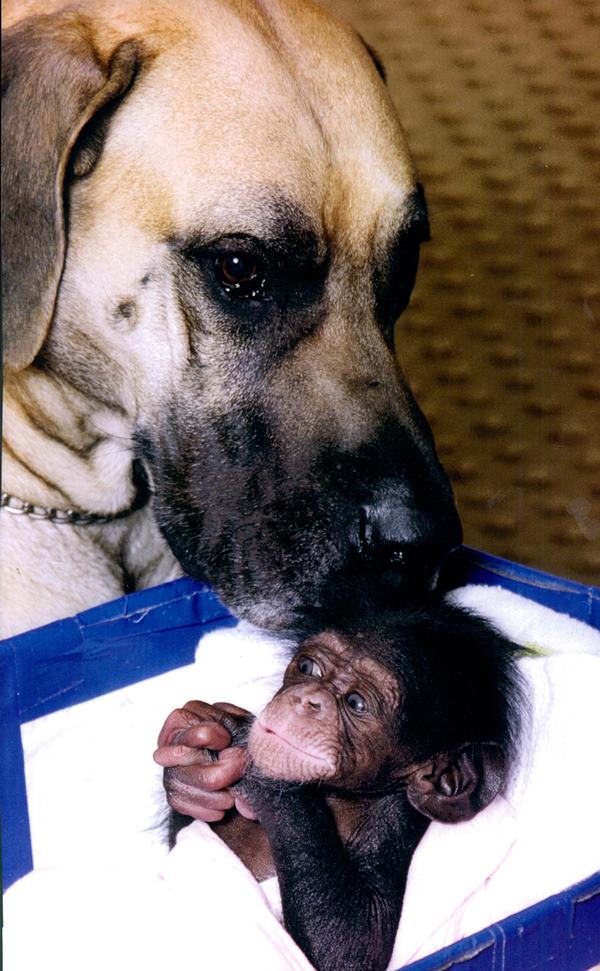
(293, 469)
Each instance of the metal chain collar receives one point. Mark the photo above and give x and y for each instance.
(63, 517)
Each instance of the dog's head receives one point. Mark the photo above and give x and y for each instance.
(213, 223)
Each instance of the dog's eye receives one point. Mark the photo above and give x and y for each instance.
(241, 275)
(310, 668)
(237, 268)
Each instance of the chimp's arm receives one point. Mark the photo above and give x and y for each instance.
(341, 903)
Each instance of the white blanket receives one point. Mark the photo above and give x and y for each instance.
(105, 893)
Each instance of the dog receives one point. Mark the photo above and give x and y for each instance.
(211, 224)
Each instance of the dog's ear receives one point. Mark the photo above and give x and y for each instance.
(54, 83)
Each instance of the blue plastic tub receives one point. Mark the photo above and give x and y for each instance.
(153, 631)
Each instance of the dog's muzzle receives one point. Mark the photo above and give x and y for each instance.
(284, 534)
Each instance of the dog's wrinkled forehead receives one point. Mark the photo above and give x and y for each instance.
(289, 225)
(260, 108)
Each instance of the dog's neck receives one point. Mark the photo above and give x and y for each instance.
(62, 448)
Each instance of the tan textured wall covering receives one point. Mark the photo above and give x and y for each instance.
(501, 102)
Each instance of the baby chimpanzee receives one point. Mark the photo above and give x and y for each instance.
(381, 725)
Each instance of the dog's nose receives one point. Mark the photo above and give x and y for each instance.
(404, 544)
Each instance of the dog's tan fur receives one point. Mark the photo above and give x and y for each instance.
(202, 136)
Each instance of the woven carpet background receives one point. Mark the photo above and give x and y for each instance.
(501, 342)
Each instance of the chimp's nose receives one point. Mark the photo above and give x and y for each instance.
(403, 544)
(311, 701)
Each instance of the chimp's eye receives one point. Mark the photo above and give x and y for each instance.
(241, 275)
(356, 702)
(310, 668)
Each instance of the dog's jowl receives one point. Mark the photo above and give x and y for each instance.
(211, 224)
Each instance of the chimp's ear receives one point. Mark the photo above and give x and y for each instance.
(454, 786)
(54, 82)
